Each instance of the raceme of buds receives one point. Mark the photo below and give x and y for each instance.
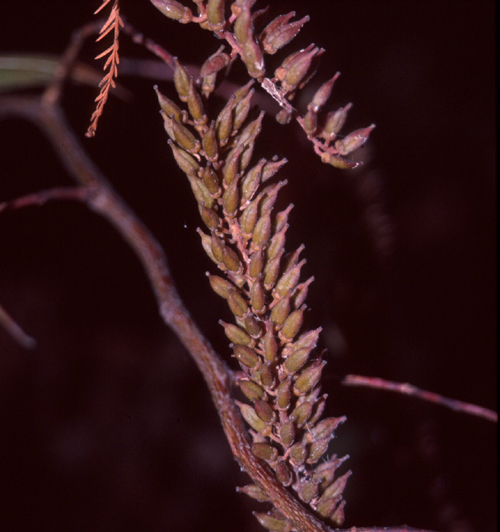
(280, 368)
(251, 46)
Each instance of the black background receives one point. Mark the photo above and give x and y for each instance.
(107, 425)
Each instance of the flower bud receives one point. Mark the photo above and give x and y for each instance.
(317, 450)
(214, 63)
(231, 260)
(271, 271)
(292, 324)
(334, 122)
(224, 122)
(276, 244)
(262, 231)
(206, 243)
(284, 395)
(231, 199)
(281, 310)
(273, 523)
(322, 94)
(231, 165)
(184, 137)
(174, 10)
(209, 144)
(186, 163)
(246, 356)
(298, 454)
(308, 379)
(211, 181)
(336, 489)
(236, 303)
(248, 218)
(181, 80)
(168, 106)
(257, 297)
(235, 334)
(210, 218)
(241, 110)
(325, 507)
(289, 279)
(256, 263)
(302, 413)
(264, 411)
(250, 416)
(354, 140)
(283, 474)
(251, 390)
(195, 105)
(297, 360)
(251, 181)
(308, 491)
(281, 36)
(270, 345)
(324, 429)
(254, 491)
(253, 326)
(220, 285)
(287, 433)
(215, 15)
(271, 167)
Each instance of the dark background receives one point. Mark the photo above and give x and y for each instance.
(107, 424)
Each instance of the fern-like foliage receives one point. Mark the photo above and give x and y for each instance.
(113, 24)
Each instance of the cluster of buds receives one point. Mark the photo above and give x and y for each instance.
(236, 24)
(280, 371)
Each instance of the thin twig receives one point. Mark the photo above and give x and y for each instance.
(41, 197)
(425, 395)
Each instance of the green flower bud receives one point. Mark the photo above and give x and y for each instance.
(283, 474)
(219, 285)
(317, 450)
(195, 105)
(308, 491)
(292, 324)
(297, 360)
(250, 416)
(254, 491)
(264, 411)
(272, 523)
(287, 433)
(281, 310)
(246, 356)
(168, 106)
(181, 81)
(235, 334)
(270, 344)
(298, 454)
(308, 379)
(284, 394)
(251, 390)
(256, 263)
(236, 303)
(257, 297)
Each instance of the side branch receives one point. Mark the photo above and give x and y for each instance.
(425, 395)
